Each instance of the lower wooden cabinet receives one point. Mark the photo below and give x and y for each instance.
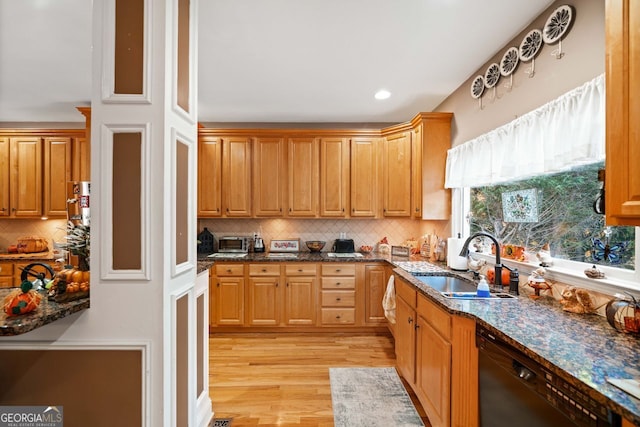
(6, 275)
(296, 295)
(437, 356)
(226, 283)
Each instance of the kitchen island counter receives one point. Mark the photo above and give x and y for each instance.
(47, 312)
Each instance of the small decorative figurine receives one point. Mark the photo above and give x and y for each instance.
(538, 282)
(594, 273)
(544, 255)
(576, 300)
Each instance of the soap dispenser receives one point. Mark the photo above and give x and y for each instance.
(483, 288)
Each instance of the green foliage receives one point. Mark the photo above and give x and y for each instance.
(566, 219)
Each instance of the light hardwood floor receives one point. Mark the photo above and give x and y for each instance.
(283, 379)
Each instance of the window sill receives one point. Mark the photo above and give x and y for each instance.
(571, 275)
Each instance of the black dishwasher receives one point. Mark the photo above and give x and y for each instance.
(517, 391)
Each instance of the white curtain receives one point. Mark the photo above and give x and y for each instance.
(563, 133)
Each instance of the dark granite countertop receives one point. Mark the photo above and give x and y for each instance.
(584, 350)
(47, 312)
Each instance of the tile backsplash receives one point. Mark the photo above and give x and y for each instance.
(362, 231)
(13, 229)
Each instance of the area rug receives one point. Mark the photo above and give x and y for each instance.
(369, 397)
(221, 422)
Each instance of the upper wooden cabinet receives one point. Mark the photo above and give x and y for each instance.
(209, 177)
(364, 177)
(268, 176)
(302, 180)
(4, 177)
(25, 178)
(236, 176)
(57, 172)
(334, 177)
(394, 172)
(397, 175)
(622, 183)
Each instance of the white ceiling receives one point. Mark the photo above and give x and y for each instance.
(273, 60)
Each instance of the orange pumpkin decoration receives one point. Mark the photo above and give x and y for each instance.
(22, 301)
(491, 275)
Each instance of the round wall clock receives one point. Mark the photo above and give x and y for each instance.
(509, 61)
(492, 75)
(557, 24)
(477, 87)
(530, 45)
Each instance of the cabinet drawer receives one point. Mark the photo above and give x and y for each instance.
(264, 269)
(338, 298)
(6, 269)
(338, 283)
(406, 292)
(338, 316)
(6, 282)
(437, 317)
(300, 269)
(338, 269)
(229, 270)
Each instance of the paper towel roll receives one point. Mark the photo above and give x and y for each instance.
(454, 260)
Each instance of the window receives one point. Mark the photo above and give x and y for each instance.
(556, 210)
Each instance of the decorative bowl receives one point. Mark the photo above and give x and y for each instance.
(315, 245)
(365, 249)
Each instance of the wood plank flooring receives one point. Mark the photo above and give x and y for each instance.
(283, 379)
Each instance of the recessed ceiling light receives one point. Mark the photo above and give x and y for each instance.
(382, 94)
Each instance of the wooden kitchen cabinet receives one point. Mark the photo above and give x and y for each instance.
(375, 285)
(334, 177)
(209, 177)
(227, 284)
(436, 140)
(268, 176)
(397, 175)
(302, 180)
(338, 300)
(57, 173)
(263, 299)
(21, 177)
(364, 177)
(6, 275)
(622, 183)
(437, 356)
(236, 177)
(81, 159)
(416, 172)
(300, 294)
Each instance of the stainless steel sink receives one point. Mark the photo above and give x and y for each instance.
(474, 296)
(448, 283)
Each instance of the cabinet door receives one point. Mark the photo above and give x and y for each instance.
(623, 109)
(416, 172)
(405, 340)
(26, 176)
(436, 140)
(81, 159)
(303, 177)
(334, 177)
(236, 177)
(268, 177)
(364, 177)
(228, 301)
(397, 175)
(209, 177)
(433, 374)
(300, 301)
(57, 172)
(264, 301)
(375, 287)
(4, 177)
(6, 275)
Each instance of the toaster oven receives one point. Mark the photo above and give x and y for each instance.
(233, 244)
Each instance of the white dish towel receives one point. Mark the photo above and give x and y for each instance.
(389, 301)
